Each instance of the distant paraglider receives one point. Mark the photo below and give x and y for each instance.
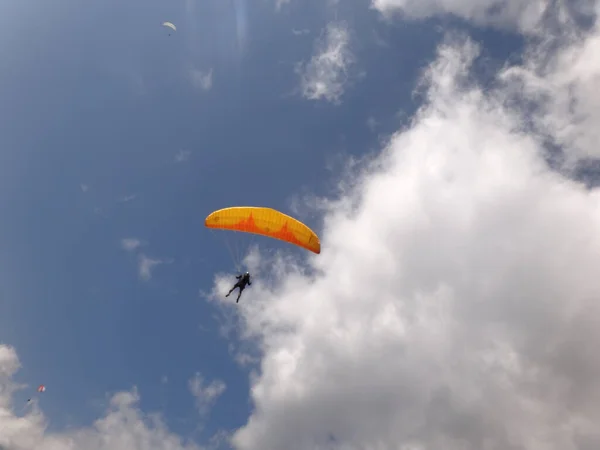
(170, 25)
(41, 388)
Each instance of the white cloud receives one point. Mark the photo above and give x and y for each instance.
(182, 156)
(146, 265)
(454, 304)
(205, 394)
(124, 427)
(565, 89)
(202, 80)
(325, 76)
(130, 244)
(84, 188)
(526, 16)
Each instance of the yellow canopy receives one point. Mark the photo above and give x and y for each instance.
(267, 222)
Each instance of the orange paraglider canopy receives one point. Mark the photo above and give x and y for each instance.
(266, 222)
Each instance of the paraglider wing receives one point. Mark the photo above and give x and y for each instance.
(170, 25)
(267, 222)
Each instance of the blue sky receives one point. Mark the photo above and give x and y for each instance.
(118, 139)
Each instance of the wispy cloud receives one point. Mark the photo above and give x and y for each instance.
(146, 265)
(380, 41)
(182, 156)
(372, 123)
(325, 76)
(202, 80)
(130, 244)
(280, 3)
(300, 32)
(127, 198)
(522, 15)
(84, 187)
(205, 394)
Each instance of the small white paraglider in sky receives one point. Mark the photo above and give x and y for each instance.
(170, 25)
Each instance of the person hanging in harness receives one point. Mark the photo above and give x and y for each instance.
(243, 280)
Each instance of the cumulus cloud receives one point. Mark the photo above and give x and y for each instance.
(146, 265)
(202, 80)
(124, 427)
(325, 76)
(205, 394)
(455, 301)
(564, 89)
(130, 244)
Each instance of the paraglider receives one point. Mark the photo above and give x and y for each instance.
(41, 388)
(263, 221)
(170, 25)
